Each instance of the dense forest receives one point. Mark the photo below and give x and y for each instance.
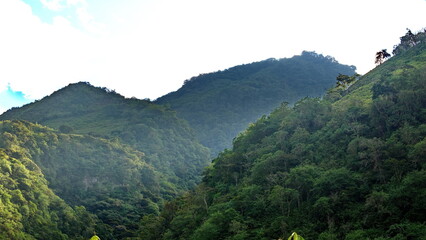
(29, 209)
(111, 180)
(219, 105)
(85, 161)
(348, 166)
(118, 158)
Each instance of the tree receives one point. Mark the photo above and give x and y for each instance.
(381, 56)
(344, 81)
(283, 198)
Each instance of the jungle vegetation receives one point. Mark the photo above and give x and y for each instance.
(86, 162)
(350, 165)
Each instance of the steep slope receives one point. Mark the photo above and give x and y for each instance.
(167, 141)
(220, 105)
(28, 207)
(110, 179)
(350, 166)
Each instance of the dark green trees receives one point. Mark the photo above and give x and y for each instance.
(111, 180)
(349, 167)
(222, 104)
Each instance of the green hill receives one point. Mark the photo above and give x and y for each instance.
(220, 105)
(109, 179)
(168, 142)
(348, 166)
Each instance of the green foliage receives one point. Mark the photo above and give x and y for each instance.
(168, 142)
(345, 81)
(350, 167)
(65, 129)
(30, 210)
(120, 158)
(295, 236)
(95, 238)
(109, 179)
(220, 105)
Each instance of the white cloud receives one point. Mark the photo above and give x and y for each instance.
(76, 2)
(54, 5)
(157, 44)
(88, 22)
(38, 58)
(58, 5)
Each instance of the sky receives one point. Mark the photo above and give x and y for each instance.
(147, 48)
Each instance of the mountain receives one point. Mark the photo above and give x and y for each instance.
(167, 141)
(348, 166)
(220, 105)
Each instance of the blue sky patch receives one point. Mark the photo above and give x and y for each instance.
(10, 98)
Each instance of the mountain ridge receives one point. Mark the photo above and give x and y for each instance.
(347, 166)
(219, 105)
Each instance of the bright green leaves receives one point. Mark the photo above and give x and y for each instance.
(29, 209)
(295, 236)
(95, 238)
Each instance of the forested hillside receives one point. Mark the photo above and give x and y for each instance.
(220, 105)
(348, 166)
(168, 142)
(109, 179)
(28, 207)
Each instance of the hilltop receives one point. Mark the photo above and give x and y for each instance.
(219, 105)
(168, 142)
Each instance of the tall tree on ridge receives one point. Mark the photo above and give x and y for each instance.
(381, 56)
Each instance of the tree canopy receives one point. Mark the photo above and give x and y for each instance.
(350, 166)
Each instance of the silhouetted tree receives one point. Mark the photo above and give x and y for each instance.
(381, 56)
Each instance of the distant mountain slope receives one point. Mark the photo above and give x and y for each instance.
(168, 142)
(220, 105)
(349, 166)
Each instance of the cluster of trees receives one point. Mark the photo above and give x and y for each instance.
(28, 207)
(220, 105)
(347, 167)
(111, 180)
